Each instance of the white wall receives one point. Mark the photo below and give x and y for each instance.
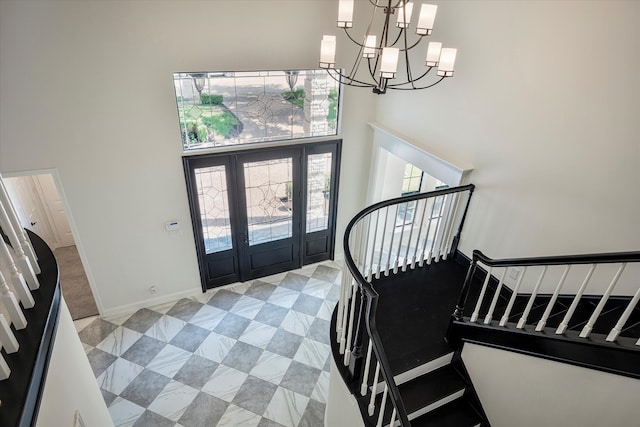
(71, 385)
(525, 391)
(87, 89)
(544, 104)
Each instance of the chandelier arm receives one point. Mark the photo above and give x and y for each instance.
(347, 80)
(417, 88)
(407, 63)
(415, 44)
(414, 80)
(346, 31)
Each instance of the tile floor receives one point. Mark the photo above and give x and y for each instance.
(252, 354)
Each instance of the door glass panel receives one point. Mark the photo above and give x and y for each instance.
(213, 198)
(318, 188)
(268, 187)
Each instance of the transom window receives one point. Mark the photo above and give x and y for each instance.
(218, 109)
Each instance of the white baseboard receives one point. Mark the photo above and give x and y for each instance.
(122, 310)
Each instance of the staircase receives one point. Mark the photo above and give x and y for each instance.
(397, 346)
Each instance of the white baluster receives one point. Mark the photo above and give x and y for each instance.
(572, 308)
(7, 338)
(347, 344)
(373, 249)
(11, 305)
(382, 405)
(413, 222)
(417, 247)
(512, 300)
(365, 377)
(476, 311)
(552, 302)
(18, 282)
(532, 298)
(20, 258)
(404, 221)
(451, 228)
(393, 234)
(586, 331)
(5, 371)
(426, 237)
(494, 301)
(436, 230)
(365, 256)
(25, 243)
(374, 391)
(445, 227)
(342, 301)
(393, 418)
(613, 335)
(384, 234)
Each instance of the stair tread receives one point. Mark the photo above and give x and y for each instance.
(458, 413)
(429, 388)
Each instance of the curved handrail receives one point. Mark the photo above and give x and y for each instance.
(370, 296)
(603, 258)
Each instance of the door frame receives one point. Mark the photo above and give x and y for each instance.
(233, 170)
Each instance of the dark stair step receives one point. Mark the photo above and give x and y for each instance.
(458, 413)
(425, 390)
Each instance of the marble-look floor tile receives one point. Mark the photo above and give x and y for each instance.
(236, 416)
(173, 400)
(294, 281)
(165, 328)
(184, 309)
(225, 383)
(208, 317)
(224, 299)
(266, 422)
(314, 415)
(286, 407)
(242, 356)
(319, 331)
(190, 337)
(271, 367)
(326, 310)
(283, 297)
(119, 341)
(142, 320)
(151, 419)
(258, 334)
(260, 290)
(297, 323)
(100, 360)
(144, 350)
(96, 331)
(321, 390)
(118, 375)
(108, 397)
(80, 324)
(215, 347)
(169, 361)
(124, 413)
(255, 395)
(285, 343)
(312, 353)
(247, 307)
(271, 315)
(307, 304)
(300, 378)
(317, 288)
(145, 388)
(326, 273)
(232, 325)
(205, 410)
(196, 371)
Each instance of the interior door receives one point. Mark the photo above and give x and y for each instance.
(269, 212)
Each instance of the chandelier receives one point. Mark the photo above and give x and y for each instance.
(383, 50)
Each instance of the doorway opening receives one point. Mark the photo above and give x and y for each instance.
(260, 212)
(40, 208)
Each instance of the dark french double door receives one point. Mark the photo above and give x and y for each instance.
(264, 211)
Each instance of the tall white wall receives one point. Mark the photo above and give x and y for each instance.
(525, 391)
(544, 105)
(70, 387)
(87, 89)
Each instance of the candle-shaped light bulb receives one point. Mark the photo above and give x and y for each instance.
(404, 15)
(369, 50)
(433, 54)
(328, 52)
(447, 60)
(389, 62)
(426, 19)
(345, 14)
